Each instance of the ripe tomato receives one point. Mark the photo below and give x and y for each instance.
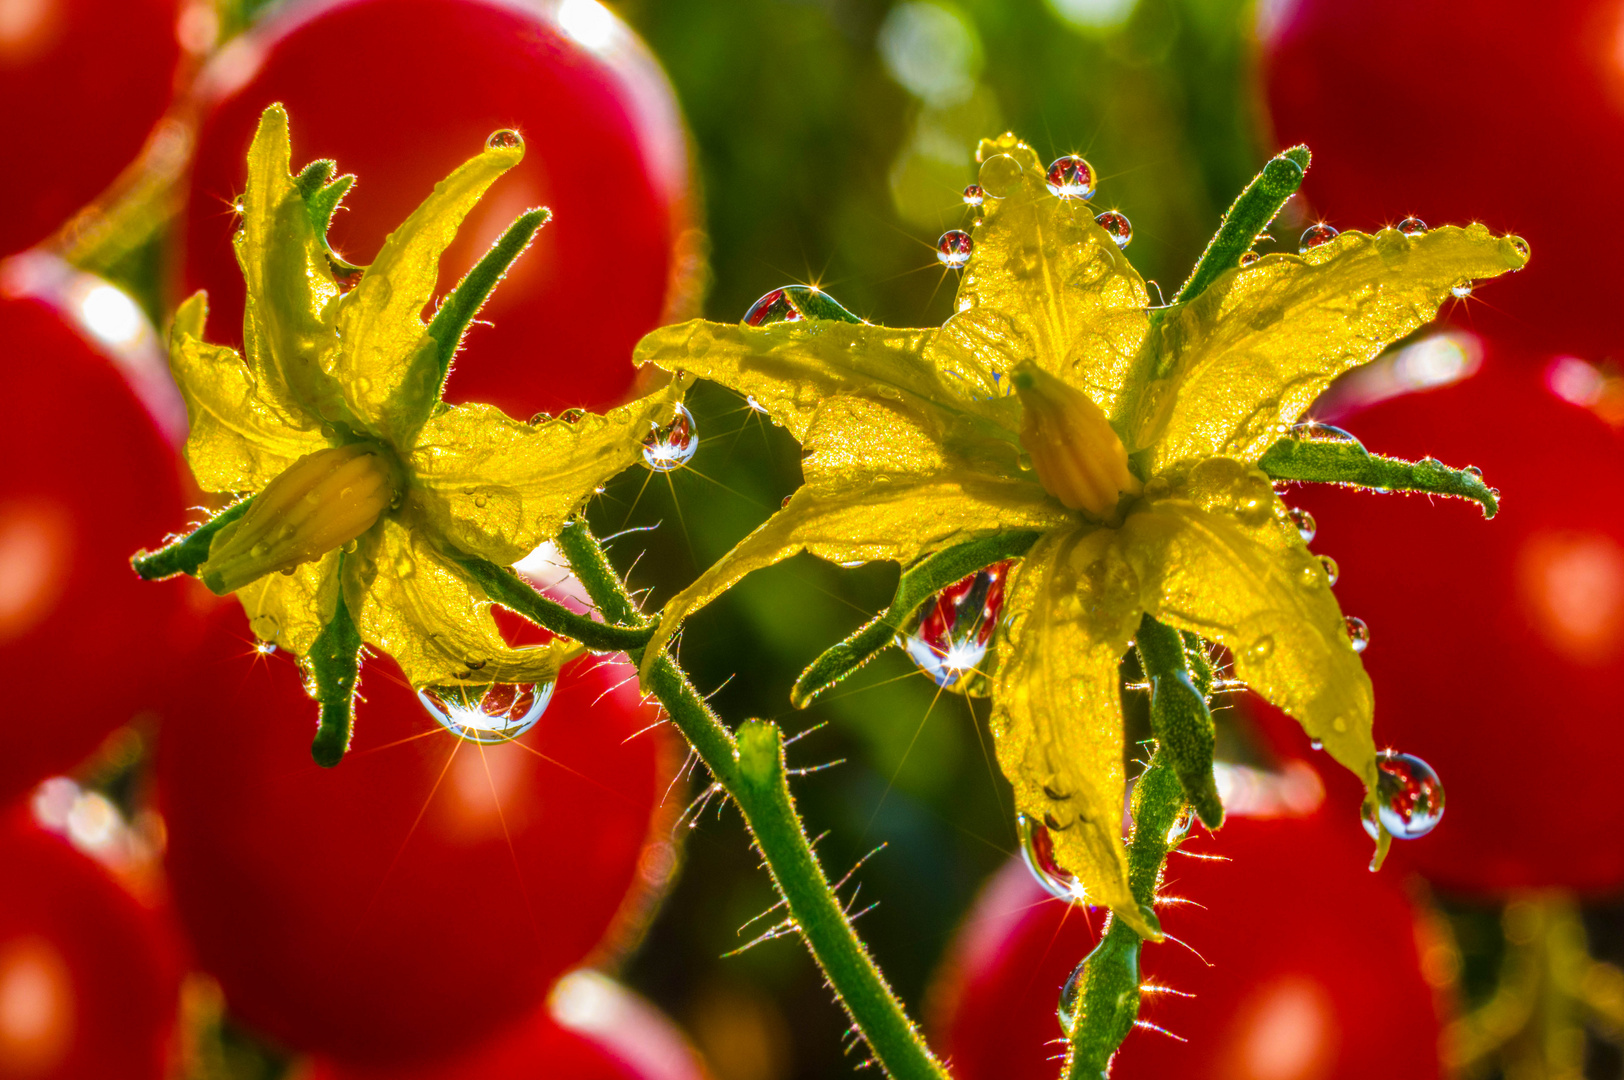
(89, 476)
(81, 84)
(426, 891)
(1461, 110)
(88, 978)
(592, 1029)
(1497, 647)
(1313, 969)
(400, 92)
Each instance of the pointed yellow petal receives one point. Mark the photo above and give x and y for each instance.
(497, 487)
(1251, 352)
(381, 321)
(238, 440)
(411, 603)
(1217, 555)
(1047, 286)
(290, 610)
(288, 322)
(1057, 712)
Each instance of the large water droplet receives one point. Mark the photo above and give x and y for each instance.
(1358, 633)
(1071, 177)
(1332, 571)
(952, 638)
(775, 307)
(1412, 226)
(1315, 235)
(487, 714)
(672, 446)
(1409, 796)
(504, 139)
(1117, 226)
(793, 303)
(974, 196)
(1461, 289)
(1070, 1007)
(1315, 431)
(1307, 527)
(1037, 851)
(953, 249)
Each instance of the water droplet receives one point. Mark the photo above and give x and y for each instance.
(672, 446)
(953, 248)
(1412, 226)
(1332, 571)
(572, 416)
(1315, 744)
(1000, 175)
(1461, 289)
(504, 139)
(1358, 633)
(1409, 796)
(754, 405)
(1473, 470)
(1070, 1008)
(1262, 648)
(974, 196)
(1307, 527)
(480, 501)
(1071, 177)
(1519, 245)
(540, 418)
(1117, 225)
(775, 307)
(1314, 431)
(1248, 258)
(487, 714)
(1037, 851)
(1315, 235)
(956, 629)
(265, 627)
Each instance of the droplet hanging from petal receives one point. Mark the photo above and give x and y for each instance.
(956, 629)
(953, 249)
(487, 714)
(1409, 797)
(672, 445)
(1071, 177)
(1117, 227)
(1037, 851)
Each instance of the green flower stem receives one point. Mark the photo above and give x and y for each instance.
(1180, 717)
(505, 587)
(1326, 462)
(335, 664)
(751, 771)
(1253, 210)
(1109, 1002)
(185, 555)
(464, 301)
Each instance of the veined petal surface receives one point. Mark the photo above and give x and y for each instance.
(290, 610)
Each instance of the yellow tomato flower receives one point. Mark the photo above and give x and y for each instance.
(1055, 399)
(366, 486)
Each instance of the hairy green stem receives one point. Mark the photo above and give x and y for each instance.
(335, 664)
(751, 771)
(505, 587)
(1323, 461)
(185, 555)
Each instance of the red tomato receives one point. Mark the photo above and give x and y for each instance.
(1497, 647)
(88, 476)
(1461, 110)
(421, 84)
(88, 980)
(81, 84)
(426, 891)
(1313, 969)
(593, 1029)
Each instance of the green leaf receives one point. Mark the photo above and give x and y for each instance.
(335, 664)
(1325, 462)
(918, 583)
(185, 555)
(1179, 715)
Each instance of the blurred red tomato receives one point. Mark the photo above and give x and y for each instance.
(82, 82)
(88, 476)
(1462, 110)
(88, 979)
(1310, 969)
(426, 891)
(1497, 647)
(592, 1029)
(401, 92)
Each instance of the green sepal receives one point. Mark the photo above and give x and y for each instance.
(503, 586)
(335, 665)
(1180, 717)
(311, 179)
(918, 583)
(185, 555)
(1250, 214)
(1325, 462)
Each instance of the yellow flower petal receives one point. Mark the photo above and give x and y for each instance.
(238, 439)
(381, 320)
(1216, 554)
(497, 487)
(290, 610)
(408, 601)
(1057, 710)
(1246, 357)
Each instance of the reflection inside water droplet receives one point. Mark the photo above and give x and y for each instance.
(1315, 235)
(1409, 797)
(1117, 226)
(1307, 527)
(672, 446)
(1332, 571)
(1461, 289)
(1412, 226)
(974, 196)
(1071, 177)
(775, 307)
(504, 139)
(1070, 1007)
(956, 627)
(1037, 851)
(1358, 633)
(953, 249)
(487, 714)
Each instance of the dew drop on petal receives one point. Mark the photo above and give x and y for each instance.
(775, 307)
(1037, 851)
(952, 637)
(572, 416)
(1248, 258)
(1070, 1006)
(671, 446)
(1117, 226)
(1071, 177)
(1412, 226)
(1409, 796)
(1316, 744)
(1358, 633)
(974, 196)
(1307, 527)
(953, 249)
(1315, 235)
(1461, 289)
(1332, 571)
(505, 139)
(487, 714)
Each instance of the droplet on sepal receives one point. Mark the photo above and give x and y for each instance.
(1412, 227)
(503, 139)
(1037, 851)
(1117, 227)
(1307, 527)
(672, 445)
(1070, 1007)
(953, 249)
(956, 629)
(1070, 177)
(1315, 431)
(974, 196)
(1315, 235)
(1332, 571)
(1409, 797)
(487, 714)
(1358, 633)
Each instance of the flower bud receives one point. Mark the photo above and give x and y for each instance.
(1078, 457)
(320, 502)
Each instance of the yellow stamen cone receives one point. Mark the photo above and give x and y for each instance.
(1078, 457)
